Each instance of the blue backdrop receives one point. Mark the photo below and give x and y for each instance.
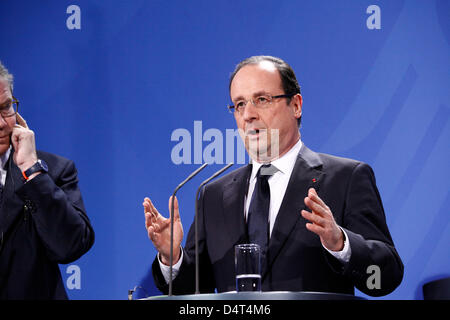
(118, 85)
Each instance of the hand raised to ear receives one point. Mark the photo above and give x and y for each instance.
(23, 141)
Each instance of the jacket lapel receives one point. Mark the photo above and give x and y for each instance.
(11, 205)
(233, 203)
(306, 174)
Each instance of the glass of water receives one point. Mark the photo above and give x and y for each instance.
(248, 267)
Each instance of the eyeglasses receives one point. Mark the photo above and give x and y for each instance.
(11, 109)
(261, 102)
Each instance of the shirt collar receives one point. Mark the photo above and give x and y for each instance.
(284, 164)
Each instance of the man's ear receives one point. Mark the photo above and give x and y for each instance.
(297, 102)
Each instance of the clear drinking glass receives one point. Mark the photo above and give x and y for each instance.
(248, 267)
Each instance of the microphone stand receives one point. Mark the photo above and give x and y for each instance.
(193, 174)
(197, 274)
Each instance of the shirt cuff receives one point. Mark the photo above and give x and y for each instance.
(345, 253)
(165, 270)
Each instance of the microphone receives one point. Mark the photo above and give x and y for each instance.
(193, 174)
(197, 275)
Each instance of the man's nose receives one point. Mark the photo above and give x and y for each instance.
(250, 111)
(3, 122)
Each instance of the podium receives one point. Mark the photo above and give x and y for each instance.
(269, 295)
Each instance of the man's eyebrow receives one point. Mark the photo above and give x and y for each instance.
(238, 98)
(256, 94)
(260, 93)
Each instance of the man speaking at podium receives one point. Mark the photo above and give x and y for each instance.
(43, 221)
(318, 218)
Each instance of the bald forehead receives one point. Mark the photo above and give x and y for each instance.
(254, 79)
(267, 66)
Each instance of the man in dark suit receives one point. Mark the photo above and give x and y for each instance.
(43, 221)
(323, 227)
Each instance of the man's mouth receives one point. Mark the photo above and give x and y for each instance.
(254, 132)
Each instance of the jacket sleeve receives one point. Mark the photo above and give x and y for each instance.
(374, 266)
(58, 213)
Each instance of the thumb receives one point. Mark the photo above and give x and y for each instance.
(176, 211)
(21, 121)
(14, 138)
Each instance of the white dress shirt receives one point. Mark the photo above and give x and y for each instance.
(3, 159)
(278, 183)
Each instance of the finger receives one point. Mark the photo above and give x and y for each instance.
(312, 194)
(315, 228)
(151, 234)
(314, 218)
(315, 207)
(148, 207)
(17, 129)
(147, 212)
(153, 209)
(15, 138)
(148, 220)
(21, 121)
(18, 133)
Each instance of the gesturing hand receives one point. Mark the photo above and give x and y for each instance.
(158, 229)
(22, 139)
(322, 222)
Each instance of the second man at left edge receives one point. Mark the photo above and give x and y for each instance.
(43, 220)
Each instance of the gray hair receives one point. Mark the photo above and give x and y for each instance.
(4, 74)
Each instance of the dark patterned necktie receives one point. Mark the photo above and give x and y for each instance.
(258, 212)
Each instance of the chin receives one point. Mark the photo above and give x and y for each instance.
(3, 148)
(262, 154)
(5, 142)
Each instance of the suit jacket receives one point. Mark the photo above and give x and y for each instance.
(43, 222)
(296, 259)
